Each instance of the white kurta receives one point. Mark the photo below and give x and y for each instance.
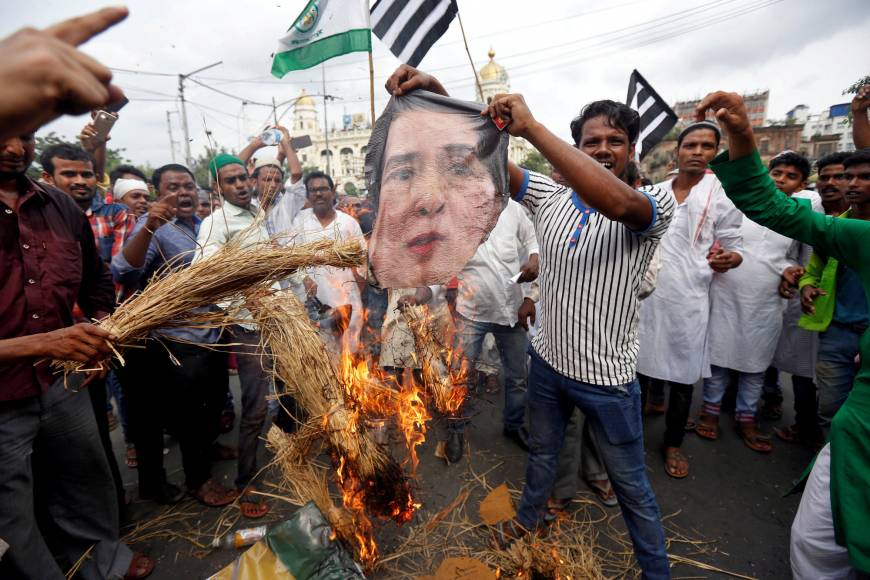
(746, 310)
(487, 292)
(673, 319)
(796, 349)
(335, 286)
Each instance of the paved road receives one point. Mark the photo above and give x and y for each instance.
(732, 495)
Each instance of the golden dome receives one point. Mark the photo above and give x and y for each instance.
(492, 71)
(304, 100)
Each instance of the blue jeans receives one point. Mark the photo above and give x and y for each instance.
(835, 369)
(512, 343)
(749, 388)
(615, 418)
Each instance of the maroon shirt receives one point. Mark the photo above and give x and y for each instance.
(49, 261)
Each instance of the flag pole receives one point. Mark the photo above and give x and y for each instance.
(371, 62)
(468, 52)
(326, 121)
(372, 85)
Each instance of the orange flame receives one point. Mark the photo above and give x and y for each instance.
(352, 497)
(412, 415)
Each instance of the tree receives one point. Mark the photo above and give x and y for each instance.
(200, 164)
(851, 90)
(534, 161)
(857, 85)
(114, 156)
(350, 189)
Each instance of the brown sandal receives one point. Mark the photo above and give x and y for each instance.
(141, 566)
(707, 426)
(604, 491)
(676, 463)
(251, 506)
(213, 494)
(753, 438)
(555, 508)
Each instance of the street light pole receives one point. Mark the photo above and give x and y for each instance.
(181, 78)
(171, 139)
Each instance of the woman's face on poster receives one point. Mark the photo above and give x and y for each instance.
(437, 200)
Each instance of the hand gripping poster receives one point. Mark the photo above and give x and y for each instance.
(436, 171)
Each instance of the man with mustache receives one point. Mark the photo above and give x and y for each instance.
(57, 498)
(194, 390)
(596, 241)
(831, 182)
(332, 286)
(673, 319)
(71, 169)
(235, 220)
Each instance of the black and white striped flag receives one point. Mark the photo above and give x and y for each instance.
(411, 27)
(656, 117)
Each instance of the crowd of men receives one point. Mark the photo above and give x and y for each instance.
(598, 292)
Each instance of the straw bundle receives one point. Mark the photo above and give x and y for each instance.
(435, 359)
(302, 481)
(302, 363)
(168, 300)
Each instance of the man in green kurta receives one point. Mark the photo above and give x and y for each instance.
(831, 531)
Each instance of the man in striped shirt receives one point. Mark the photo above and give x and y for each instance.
(596, 241)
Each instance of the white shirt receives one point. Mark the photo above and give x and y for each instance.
(590, 277)
(335, 286)
(796, 349)
(673, 319)
(286, 207)
(227, 223)
(486, 291)
(746, 310)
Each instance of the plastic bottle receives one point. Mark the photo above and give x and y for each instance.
(240, 538)
(271, 137)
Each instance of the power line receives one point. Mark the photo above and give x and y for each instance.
(226, 94)
(678, 14)
(669, 26)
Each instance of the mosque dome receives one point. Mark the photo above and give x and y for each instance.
(492, 71)
(304, 100)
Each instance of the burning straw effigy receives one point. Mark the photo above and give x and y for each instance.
(170, 300)
(369, 478)
(440, 374)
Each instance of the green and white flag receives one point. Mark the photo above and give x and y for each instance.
(324, 29)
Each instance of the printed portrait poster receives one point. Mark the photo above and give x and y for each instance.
(436, 171)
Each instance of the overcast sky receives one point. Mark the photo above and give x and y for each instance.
(559, 53)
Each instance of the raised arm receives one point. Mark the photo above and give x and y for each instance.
(746, 181)
(293, 165)
(251, 148)
(600, 188)
(96, 146)
(860, 122)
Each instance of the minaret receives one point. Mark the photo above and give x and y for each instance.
(493, 79)
(305, 115)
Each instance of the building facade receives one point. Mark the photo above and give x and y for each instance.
(341, 153)
(832, 121)
(756, 106)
